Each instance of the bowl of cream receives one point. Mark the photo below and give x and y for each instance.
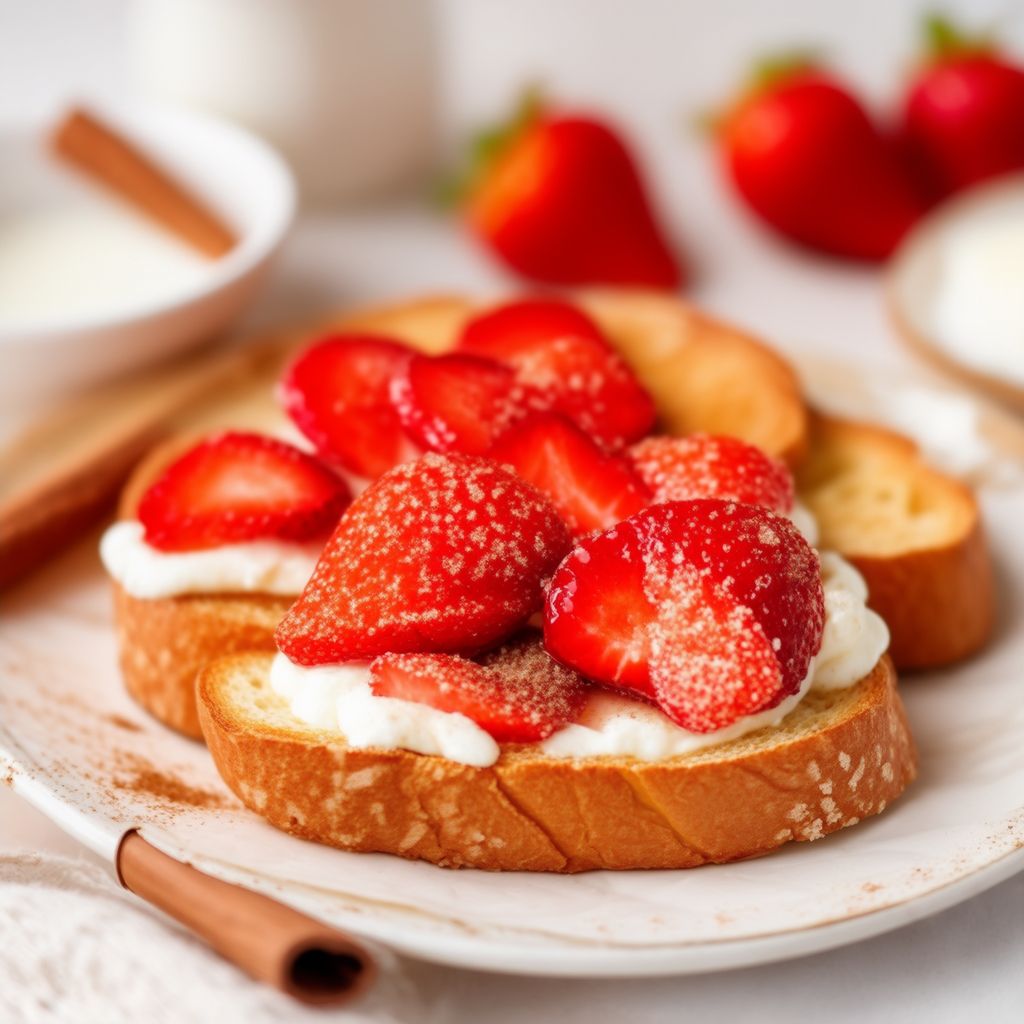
(955, 287)
(90, 288)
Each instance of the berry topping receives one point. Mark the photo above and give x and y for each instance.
(459, 402)
(711, 662)
(336, 391)
(685, 582)
(518, 694)
(235, 487)
(559, 350)
(444, 554)
(712, 466)
(591, 489)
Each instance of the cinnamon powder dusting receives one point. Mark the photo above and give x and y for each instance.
(146, 780)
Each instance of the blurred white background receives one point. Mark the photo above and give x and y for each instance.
(654, 65)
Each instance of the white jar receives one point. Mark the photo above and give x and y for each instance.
(345, 89)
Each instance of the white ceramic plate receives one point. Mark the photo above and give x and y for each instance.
(75, 745)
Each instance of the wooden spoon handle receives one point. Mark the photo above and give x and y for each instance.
(272, 943)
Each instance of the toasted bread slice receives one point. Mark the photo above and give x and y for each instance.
(164, 642)
(839, 757)
(915, 534)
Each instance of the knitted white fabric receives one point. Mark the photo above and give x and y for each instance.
(75, 948)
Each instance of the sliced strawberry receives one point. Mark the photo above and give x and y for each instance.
(591, 489)
(712, 466)
(459, 402)
(336, 391)
(559, 350)
(444, 554)
(236, 487)
(518, 694)
(625, 606)
(711, 662)
(597, 615)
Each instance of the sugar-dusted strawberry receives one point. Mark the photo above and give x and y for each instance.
(558, 197)
(712, 466)
(597, 617)
(336, 391)
(459, 402)
(234, 487)
(444, 554)
(557, 349)
(519, 694)
(711, 662)
(625, 605)
(808, 159)
(963, 113)
(592, 489)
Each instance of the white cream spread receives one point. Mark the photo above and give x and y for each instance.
(260, 566)
(338, 697)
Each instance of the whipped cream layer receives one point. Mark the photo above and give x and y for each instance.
(338, 697)
(257, 567)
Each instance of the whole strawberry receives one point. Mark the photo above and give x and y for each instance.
(807, 159)
(963, 112)
(559, 199)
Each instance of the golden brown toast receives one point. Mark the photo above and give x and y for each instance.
(839, 757)
(915, 534)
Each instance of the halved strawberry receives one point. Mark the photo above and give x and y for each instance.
(711, 662)
(591, 489)
(235, 487)
(336, 391)
(444, 554)
(459, 402)
(625, 606)
(597, 616)
(518, 694)
(557, 349)
(712, 466)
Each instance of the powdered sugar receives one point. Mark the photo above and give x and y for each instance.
(443, 554)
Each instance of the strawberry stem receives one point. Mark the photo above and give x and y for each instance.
(487, 145)
(771, 70)
(944, 39)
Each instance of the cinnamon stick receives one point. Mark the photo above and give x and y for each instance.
(101, 152)
(272, 943)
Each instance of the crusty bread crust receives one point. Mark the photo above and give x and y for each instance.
(164, 642)
(838, 758)
(915, 534)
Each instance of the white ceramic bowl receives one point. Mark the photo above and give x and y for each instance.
(238, 175)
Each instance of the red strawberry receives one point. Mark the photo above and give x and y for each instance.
(591, 489)
(689, 579)
(963, 114)
(559, 199)
(711, 662)
(561, 352)
(803, 153)
(459, 402)
(336, 391)
(444, 554)
(711, 466)
(518, 694)
(597, 617)
(236, 487)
